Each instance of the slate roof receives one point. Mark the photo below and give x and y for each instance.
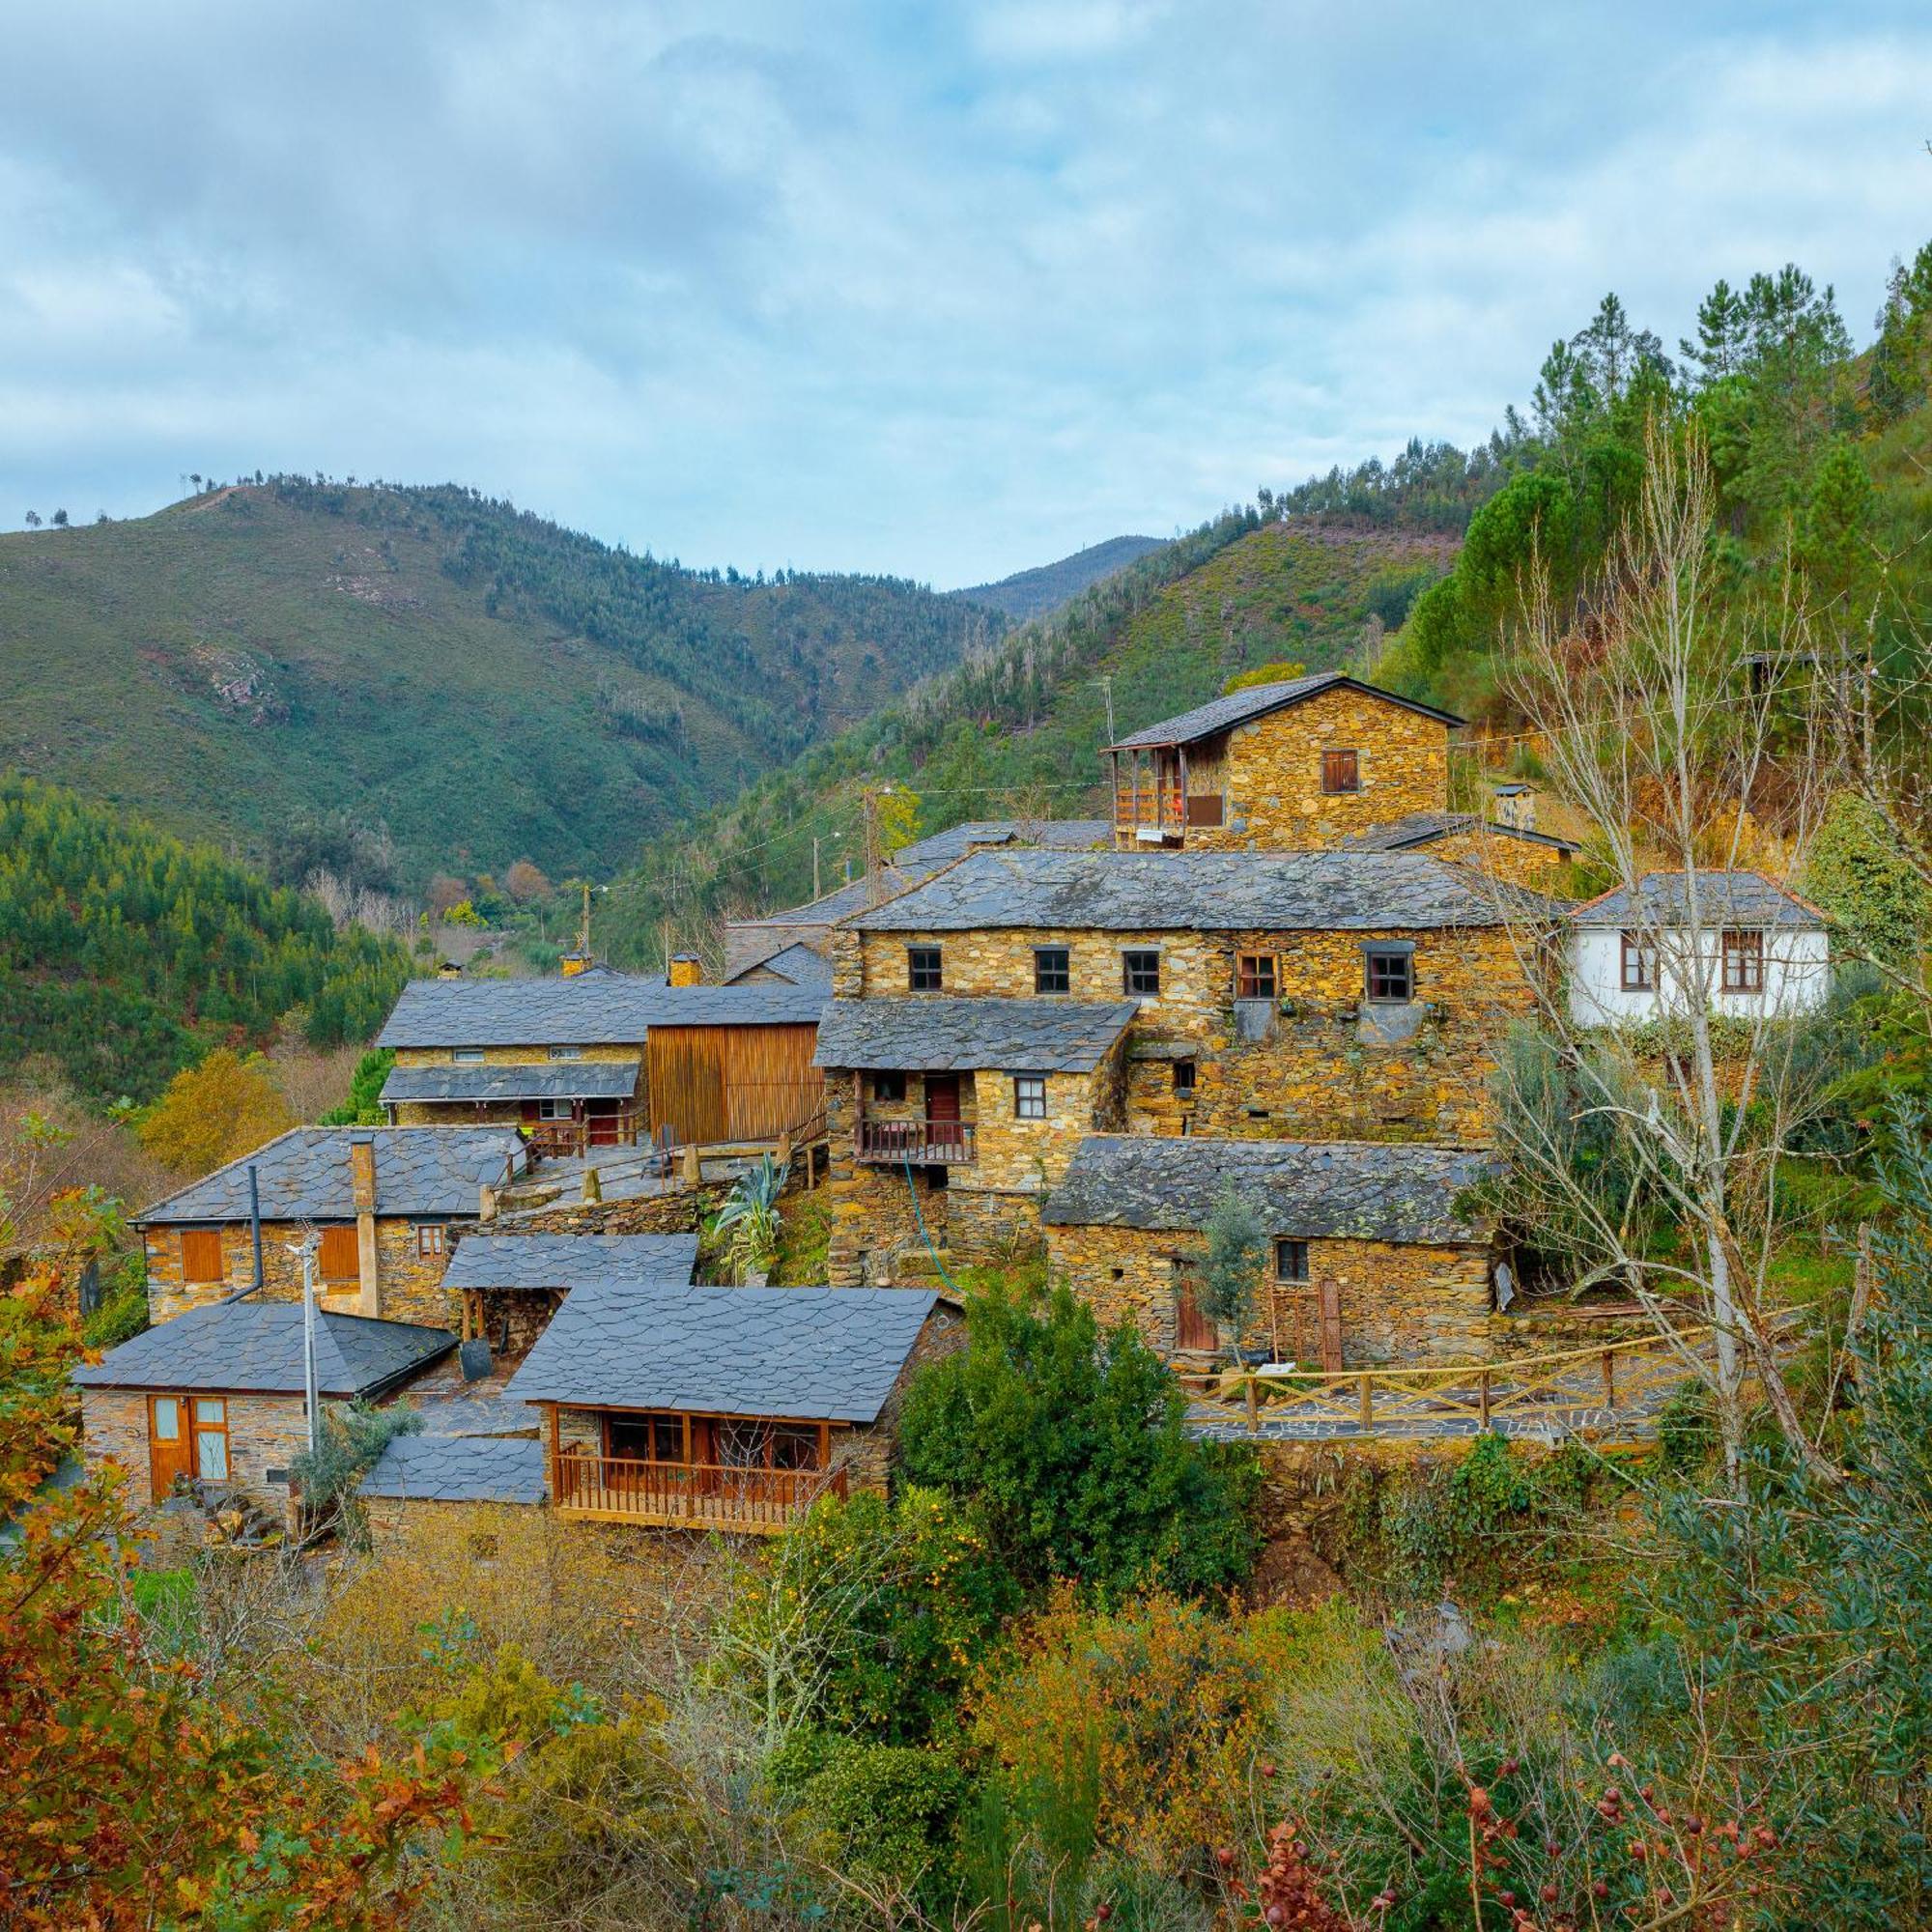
(828, 1354)
(1053, 834)
(458, 1469)
(1355, 1190)
(1222, 713)
(257, 1346)
(570, 1261)
(796, 962)
(1199, 891)
(827, 910)
(551, 1080)
(303, 1174)
(598, 1009)
(940, 1035)
(1422, 828)
(1725, 898)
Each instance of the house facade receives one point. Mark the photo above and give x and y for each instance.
(385, 1204)
(1294, 766)
(1730, 943)
(1375, 1252)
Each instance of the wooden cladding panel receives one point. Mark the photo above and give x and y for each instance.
(733, 1083)
(338, 1260)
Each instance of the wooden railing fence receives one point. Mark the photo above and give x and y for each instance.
(702, 1494)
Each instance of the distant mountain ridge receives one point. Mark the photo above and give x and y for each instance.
(1032, 593)
(475, 682)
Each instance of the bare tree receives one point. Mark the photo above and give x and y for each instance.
(1676, 720)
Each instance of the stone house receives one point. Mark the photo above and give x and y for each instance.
(466, 1477)
(1353, 996)
(1281, 767)
(796, 964)
(605, 1059)
(1492, 848)
(505, 1288)
(950, 1118)
(219, 1393)
(1728, 943)
(1373, 1253)
(387, 1203)
(729, 1408)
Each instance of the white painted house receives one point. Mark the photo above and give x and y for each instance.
(1727, 942)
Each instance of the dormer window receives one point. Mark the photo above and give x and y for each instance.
(466, 1056)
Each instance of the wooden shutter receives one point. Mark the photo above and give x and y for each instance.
(201, 1255)
(338, 1260)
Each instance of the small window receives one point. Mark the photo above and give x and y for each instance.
(211, 1438)
(1052, 969)
(1639, 965)
(922, 969)
(888, 1086)
(1183, 1079)
(1743, 962)
(1290, 1260)
(432, 1239)
(566, 1053)
(1391, 973)
(201, 1255)
(1030, 1096)
(338, 1259)
(555, 1110)
(1341, 771)
(1140, 970)
(466, 1056)
(1254, 975)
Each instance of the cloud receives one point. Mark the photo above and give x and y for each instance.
(941, 291)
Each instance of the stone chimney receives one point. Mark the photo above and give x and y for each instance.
(686, 969)
(363, 1191)
(574, 964)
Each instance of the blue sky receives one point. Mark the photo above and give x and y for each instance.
(941, 291)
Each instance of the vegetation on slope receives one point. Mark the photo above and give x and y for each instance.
(476, 682)
(126, 955)
(1032, 593)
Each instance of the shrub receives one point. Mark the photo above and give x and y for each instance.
(365, 1106)
(889, 1810)
(1072, 1447)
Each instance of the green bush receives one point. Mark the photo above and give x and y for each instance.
(890, 1811)
(365, 1106)
(1072, 1445)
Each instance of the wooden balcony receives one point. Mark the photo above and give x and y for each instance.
(1167, 812)
(687, 1495)
(924, 1143)
(579, 1137)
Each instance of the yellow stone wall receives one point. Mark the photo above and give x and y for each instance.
(265, 1431)
(1519, 861)
(522, 1055)
(1401, 1304)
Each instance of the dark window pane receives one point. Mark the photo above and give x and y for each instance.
(1183, 1076)
(1052, 969)
(1254, 975)
(1290, 1260)
(1140, 971)
(1390, 976)
(923, 972)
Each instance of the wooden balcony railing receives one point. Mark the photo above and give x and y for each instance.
(574, 1137)
(922, 1142)
(1169, 810)
(697, 1495)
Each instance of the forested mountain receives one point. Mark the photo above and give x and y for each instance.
(1032, 593)
(476, 682)
(125, 954)
(1020, 727)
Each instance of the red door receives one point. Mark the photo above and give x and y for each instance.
(170, 1444)
(1193, 1333)
(942, 1110)
(1331, 1327)
(602, 1116)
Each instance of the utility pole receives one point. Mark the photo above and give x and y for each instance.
(814, 866)
(583, 926)
(311, 1391)
(1106, 683)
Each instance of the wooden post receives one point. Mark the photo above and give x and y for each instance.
(1610, 1378)
(1368, 1402)
(1254, 1408)
(1483, 1398)
(553, 1457)
(693, 1170)
(1183, 794)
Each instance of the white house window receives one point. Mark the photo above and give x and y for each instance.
(1030, 1096)
(1639, 965)
(466, 1056)
(1744, 961)
(566, 1053)
(432, 1239)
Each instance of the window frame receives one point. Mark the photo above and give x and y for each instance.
(552, 1117)
(1292, 1249)
(200, 1235)
(566, 1052)
(1257, 976)
(200, 1427)
(1185, 1089)
(1063, 972)
(1133, 960)
(895, 1093)
(1637, 970)
(1742, 953)
(432, 1239)
(1029, 1087)
(1331, 767)
(926, 969)
(1385, 958)
(466, 1056)
(661, 1424)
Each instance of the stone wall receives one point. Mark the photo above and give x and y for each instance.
(396, 1520)
(1271, 773)
(1519, 862)
(410, 1283)
(265, 1434)
(1323, 1063)
(1402, 1304)
(678, 1213)
(867, 1454)
(616, 1055)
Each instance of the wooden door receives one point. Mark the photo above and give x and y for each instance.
(601, 1117)
(1194, 1334)
(942, 1109)
(1331, 1327)
(170, 1444)
(687, 1083)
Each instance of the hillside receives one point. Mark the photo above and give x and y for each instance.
(1020, 727)
(125, 954)
(481, 684)
(1032, 593)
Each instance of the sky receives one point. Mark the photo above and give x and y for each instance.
(939, 291)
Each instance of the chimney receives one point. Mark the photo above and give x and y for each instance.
(574, 964)
(686, 969)
(363, 1191)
